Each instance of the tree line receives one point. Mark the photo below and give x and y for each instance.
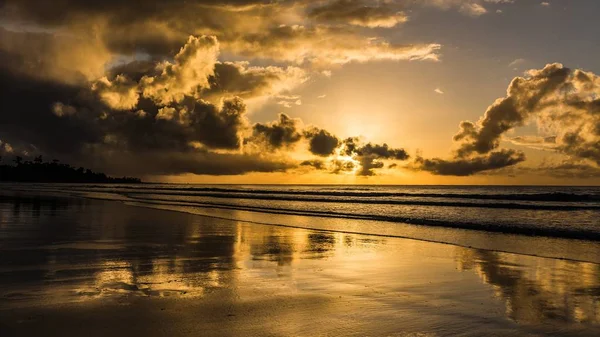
(53, 172)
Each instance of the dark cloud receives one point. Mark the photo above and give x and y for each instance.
(338, 166)
(353, 146)
(368, 164)
(200, 121)
(282, 133)
(469, 166)
(59, 57)
(316, 164)
(369, 156)
(567, 169)
(382, 151)
(96, 125)
(321, 142)
(26, 115)
(240, 80)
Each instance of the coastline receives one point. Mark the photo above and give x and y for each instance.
(484, 238)
(110, 268)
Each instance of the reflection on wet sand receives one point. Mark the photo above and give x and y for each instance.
(58, 251)
(538, 290)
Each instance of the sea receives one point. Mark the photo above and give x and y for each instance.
(558, 222)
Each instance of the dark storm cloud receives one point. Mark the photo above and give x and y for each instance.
(123, 142)
(359, 13)
(74, 123)
(26, 115)
(321, 142)
(200, 121)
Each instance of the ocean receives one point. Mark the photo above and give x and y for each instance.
(559, 222)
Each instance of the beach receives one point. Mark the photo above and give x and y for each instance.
(73, 266)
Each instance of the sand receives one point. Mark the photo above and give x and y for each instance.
(78, 267)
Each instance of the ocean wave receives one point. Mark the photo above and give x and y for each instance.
(363, 193)
(407, 202)
(520, 229)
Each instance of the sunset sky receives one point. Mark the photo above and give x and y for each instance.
(332, 91)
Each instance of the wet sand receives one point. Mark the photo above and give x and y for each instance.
(79, 267)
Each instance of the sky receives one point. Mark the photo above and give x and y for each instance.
(321, 91)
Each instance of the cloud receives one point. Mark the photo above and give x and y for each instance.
(323, 46)
(298, 32)
(516, 62)
(321, 142)
(111, 124)
(535, 142)
(562, 102)
(473, 8)
(120, 94)
(545, 3)
(438, 91)
(282, 133)
(316, 164)
(50, 56)
(366, 158)
(469, 166)
(242, 80)
(359, 13)
(354, 146)
(5, 149)
(565, 169)
(193, 66)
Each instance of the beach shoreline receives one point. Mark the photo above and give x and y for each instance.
(110, 268)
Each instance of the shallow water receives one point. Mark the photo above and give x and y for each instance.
(558, 222)
(126, 270)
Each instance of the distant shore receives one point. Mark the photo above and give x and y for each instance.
(38, 171)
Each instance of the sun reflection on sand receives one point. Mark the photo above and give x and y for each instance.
(537, 290)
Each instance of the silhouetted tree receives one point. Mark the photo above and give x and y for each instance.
(39, 171)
